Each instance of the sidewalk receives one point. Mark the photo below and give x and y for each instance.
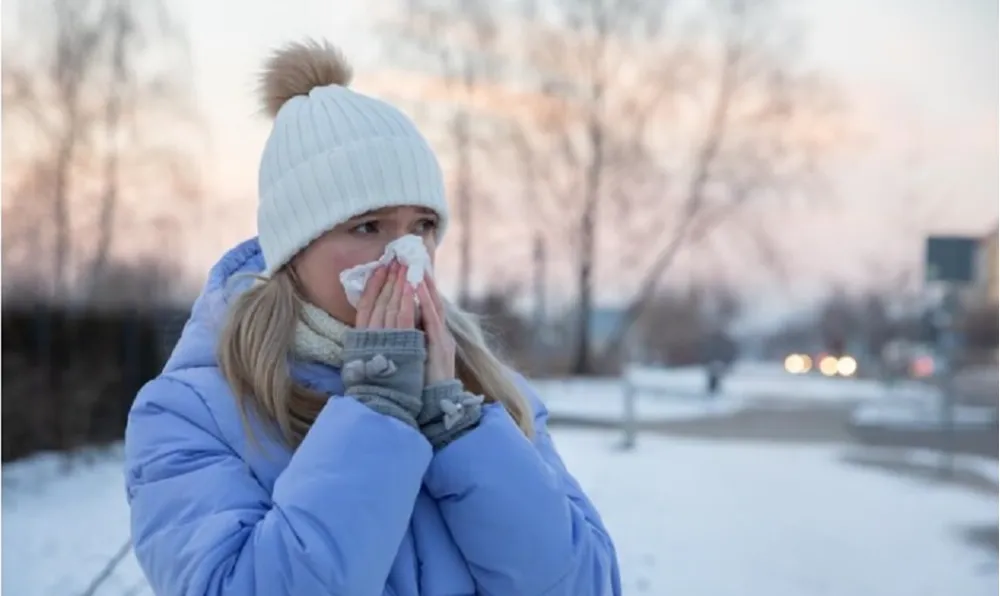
(979, 386)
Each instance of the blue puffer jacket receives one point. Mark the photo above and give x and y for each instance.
(361, 508)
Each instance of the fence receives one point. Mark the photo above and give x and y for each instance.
(69, 375)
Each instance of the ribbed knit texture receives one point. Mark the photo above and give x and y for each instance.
(333, 155)
(319, 337)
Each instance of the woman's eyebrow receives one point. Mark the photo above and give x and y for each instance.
(373, 213)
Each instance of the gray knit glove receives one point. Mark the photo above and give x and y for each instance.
(448, 412)
(384, 370)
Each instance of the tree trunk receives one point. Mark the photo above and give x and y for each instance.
(60, 214)
(112, 118)
(538, 283)
(706, 156)
(582, 361)
(463, 203)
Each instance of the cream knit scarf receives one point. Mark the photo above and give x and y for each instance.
(319, 337)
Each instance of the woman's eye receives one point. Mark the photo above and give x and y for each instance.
(368, 227)
(427, 225)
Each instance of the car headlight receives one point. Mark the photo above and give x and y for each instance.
(847, 366)
(798, 364)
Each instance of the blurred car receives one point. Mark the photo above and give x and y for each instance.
(825, 364)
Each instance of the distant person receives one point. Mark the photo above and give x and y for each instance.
(720, 353)
(714, 372)
(254, 467)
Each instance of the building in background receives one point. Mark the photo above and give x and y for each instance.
(980, 326)
(991, 264)
(984, 292)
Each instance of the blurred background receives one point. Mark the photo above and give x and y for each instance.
(747, 250)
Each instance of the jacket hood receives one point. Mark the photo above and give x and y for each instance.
(199, 339)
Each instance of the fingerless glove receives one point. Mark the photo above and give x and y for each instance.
(448, 412)
(384, 370)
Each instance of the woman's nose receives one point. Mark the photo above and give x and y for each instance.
(388, 237)
(397, 231)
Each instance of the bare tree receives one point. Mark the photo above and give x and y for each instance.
(638, 129)
(662, 132)
(455, 40)
(86, 96)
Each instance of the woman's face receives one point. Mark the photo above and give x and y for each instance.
(360, 240)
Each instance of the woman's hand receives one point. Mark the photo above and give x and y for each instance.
(385, 356)
(387, 302)
(440, 343)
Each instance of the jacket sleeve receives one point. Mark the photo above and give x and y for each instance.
(520, 519)
(203, 525)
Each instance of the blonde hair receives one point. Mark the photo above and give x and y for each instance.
(254, 355)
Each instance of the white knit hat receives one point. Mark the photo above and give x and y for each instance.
(333, 154)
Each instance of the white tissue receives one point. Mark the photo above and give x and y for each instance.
(409, 250)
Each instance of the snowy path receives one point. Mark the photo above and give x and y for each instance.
(689, 518)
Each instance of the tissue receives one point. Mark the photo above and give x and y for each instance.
(409, 250)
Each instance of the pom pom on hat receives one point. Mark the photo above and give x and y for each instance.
(299, 67)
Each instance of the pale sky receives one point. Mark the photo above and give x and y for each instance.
(920, 75)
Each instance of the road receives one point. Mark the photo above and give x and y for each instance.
(791, 416)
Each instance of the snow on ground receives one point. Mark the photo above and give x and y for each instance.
(698, 518)
(911, 413)
(679, 393)
(603, 400)
(59, 529)
(688, 517)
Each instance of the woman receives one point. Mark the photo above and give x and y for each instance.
(254, 467)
